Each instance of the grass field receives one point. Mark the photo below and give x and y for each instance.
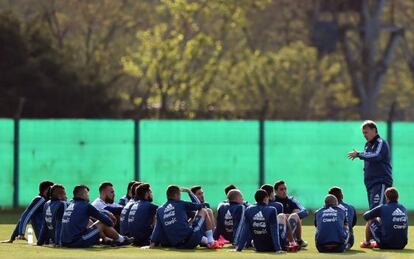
(20, 249)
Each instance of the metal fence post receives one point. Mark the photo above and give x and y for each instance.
(261, 152)
(16, 144)
(136, 149)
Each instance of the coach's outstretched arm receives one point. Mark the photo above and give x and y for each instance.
(380, 151)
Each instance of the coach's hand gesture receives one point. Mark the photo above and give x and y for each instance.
(352, 155)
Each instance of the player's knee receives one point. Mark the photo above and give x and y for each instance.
(281, 218)
(202, 212)
(294, 216)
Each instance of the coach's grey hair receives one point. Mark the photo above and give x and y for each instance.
(231, 196)
(331, 200)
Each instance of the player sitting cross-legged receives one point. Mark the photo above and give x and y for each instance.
(294, 211)
(172, 228)
(332, 230)
(261, 226)
(78, 229)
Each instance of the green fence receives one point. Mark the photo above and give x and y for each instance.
(310, 156)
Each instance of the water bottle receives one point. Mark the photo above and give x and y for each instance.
(30, 236)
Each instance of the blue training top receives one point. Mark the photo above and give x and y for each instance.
(261, 226)
(377, 162)
(330, 226)
(394, 224)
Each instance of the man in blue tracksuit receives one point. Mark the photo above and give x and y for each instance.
(230, 217)
(350, 213)
(172, 228)
(77, 228)
(261, 226)
(141, 217)
(377, 164)
(387, 224)
(293, 210)
(271, 192)
(123, 219)
(52, 217)
(331, 227)
(32, 214)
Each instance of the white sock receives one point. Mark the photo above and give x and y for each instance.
(209, 234)
(120, 239)
(204, 240)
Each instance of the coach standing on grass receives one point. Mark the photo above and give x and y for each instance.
(377, 164)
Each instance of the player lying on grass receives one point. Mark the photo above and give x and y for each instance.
(33, 214)
(124, 199)
(78, 229)
(141, 217)
(123, 219)
(52, 216)
(387, 224)
(106, 199)
(172, 228)
(350, 213)
(331, 224)
(230, 217)
(293, 210)
(263, 228)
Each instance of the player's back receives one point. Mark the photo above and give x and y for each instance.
(174, 221)
(53, 212)
(76, 219)
(394, 225)
(229, 216)
(140, 220)
(123, 219)
(330, 225)
(261, 218)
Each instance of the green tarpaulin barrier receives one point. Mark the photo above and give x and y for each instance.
(309, 156)
(6, 162)
(75, 152)
(210, 153)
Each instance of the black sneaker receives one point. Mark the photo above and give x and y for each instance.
(127, 241)
(302, 243)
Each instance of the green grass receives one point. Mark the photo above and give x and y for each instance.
(20, 249)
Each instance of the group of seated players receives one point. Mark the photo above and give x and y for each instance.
(273, 223)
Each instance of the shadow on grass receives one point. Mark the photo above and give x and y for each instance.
(398, 251)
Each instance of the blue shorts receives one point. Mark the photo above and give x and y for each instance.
(88, 239)
(376, 195)
(195, 237)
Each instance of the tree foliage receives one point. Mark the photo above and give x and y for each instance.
(193, 59)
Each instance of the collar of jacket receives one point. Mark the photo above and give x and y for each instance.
(374, 139)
